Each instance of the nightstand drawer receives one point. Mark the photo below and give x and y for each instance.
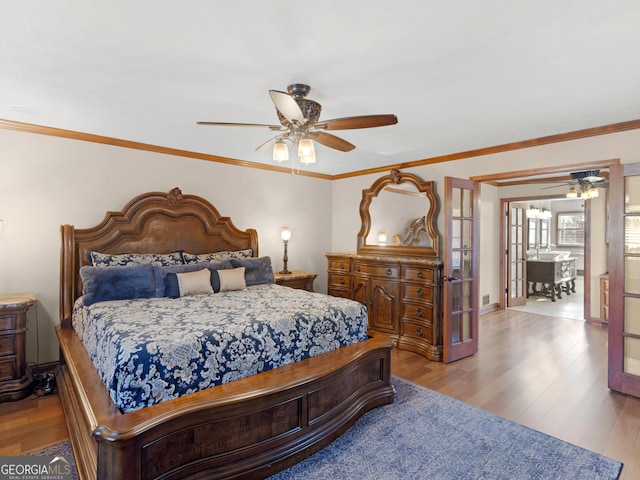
(7, 345)
(8, 321)
(8, 368)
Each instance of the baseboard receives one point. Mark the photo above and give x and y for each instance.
(44, 368)
(492, 307)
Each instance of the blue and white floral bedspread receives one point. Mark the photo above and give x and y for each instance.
(151, 350)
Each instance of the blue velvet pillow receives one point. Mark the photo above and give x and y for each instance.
(167, 286)
(117, 283)
(257, 270)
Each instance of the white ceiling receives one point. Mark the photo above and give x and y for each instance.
(459, 75)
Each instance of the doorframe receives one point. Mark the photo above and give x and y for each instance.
(521, 177)
(586, 307)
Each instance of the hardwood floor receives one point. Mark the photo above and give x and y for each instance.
(547, 373)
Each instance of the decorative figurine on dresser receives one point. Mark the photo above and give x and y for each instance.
(396, 272)
(15, 378)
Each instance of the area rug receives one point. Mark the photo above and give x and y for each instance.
(427, 435)
(62, 449)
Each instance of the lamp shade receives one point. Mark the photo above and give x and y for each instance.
(280, 151)
(285, 233)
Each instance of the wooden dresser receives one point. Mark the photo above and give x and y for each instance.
(15, 378)
(403, 297)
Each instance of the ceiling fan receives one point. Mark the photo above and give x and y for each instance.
(300, 125)
(584, 184)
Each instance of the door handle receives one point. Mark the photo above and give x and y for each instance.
(448, 278)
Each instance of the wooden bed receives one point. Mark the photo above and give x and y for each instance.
(249, 428)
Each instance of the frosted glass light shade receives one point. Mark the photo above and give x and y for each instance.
(285, 233)
(305, 148)
(280, 151)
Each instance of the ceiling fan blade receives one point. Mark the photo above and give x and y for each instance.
(331, 141)
(287, 106)
(363, 121)
(227, 124)
(268, 144)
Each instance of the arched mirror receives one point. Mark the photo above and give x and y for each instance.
(398, 214)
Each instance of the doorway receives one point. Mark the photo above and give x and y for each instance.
(549, 241)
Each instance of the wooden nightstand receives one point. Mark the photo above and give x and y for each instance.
(296, 279)
(15, 378)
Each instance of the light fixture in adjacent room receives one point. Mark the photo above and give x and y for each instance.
(533, 212)
(285, 235)
(572, 193)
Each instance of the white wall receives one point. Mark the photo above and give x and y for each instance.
(49, 181)
(348, 192)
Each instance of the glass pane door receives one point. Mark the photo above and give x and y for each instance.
(624, 279)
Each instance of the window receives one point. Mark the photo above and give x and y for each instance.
(570, 229)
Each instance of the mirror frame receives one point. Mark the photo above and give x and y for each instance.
(396, 177)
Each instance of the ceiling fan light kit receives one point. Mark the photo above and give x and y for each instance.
(584, 185)
(300, 125)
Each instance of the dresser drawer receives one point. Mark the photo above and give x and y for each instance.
(418, 274)
(339, 265)
(417, 330)
(386, 271)
(415, 292)
(8, 368)
(338, 280)
(7, 345)
(340, 292)
(8, 321)
(418, 312)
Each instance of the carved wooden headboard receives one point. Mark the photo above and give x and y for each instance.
(154, 222)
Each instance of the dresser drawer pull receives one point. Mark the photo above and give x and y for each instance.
(357, 268)
(420, 292)
(419, 332)
(341, 280)
(419, 312)
(420, 274)
(342, 266)
(389, 271)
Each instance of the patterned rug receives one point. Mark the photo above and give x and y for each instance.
(427, 435)
(62, 449)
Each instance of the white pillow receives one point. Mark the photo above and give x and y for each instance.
(193, 283)
(232, 279)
